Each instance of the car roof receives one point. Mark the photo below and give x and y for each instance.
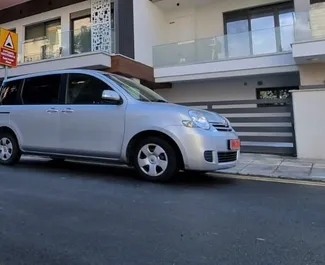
(65, 71)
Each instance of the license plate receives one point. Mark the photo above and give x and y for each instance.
(234, 144)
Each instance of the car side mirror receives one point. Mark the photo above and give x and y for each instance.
(110, 95)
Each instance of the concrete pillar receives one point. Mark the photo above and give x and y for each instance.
(124, 26)
(65, 34)
(101, 25)
(309, 122)
(20, 30)
(302, 24)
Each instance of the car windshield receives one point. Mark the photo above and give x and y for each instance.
(136, 90)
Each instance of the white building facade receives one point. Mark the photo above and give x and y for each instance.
(59, 34)
(223, 55)
(232, 56)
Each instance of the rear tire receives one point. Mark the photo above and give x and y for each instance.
(155, 160)
(9, 149)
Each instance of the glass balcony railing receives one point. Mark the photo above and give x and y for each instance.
(60, 44)
(231, 46)
(310, 25)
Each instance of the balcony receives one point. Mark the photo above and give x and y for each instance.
(61, 50)
(261, 51)
(54, 45)
(309, 44)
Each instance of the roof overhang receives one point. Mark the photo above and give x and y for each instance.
(92, 60)
(9, 3)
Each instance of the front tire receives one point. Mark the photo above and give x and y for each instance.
(155, 159)
(9, 149)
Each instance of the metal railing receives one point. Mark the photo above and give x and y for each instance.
(246, 44)
(59, 44)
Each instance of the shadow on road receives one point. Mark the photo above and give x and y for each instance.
(113, 173)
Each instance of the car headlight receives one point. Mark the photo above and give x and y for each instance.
(227, 121)
(197, 120)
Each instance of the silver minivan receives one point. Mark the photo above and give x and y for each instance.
(96, 116)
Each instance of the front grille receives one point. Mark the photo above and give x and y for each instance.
(225, 157)
(208, 156)
(221, 127)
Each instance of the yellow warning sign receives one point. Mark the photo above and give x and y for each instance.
(8, 48)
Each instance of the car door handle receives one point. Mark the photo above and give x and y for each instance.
(52, 110)
(68, 110)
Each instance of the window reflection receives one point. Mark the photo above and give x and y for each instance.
(238, 38)
(274, 93)
(286, 21)
(263, 35)
(81, 35)
(259, 30)
(43, 41)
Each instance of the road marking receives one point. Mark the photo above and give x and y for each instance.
(277, 180)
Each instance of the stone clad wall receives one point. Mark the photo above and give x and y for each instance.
(317, 20)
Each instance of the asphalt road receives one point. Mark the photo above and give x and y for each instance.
(82, 214)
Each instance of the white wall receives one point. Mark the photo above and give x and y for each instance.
(309, 123)
(254, 65)
(225, 89)
(163, 22)
(208, 19)
(64, 13)
(149, 25)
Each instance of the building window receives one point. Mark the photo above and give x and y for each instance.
(274, 93)
(81, 30)
(259, 30)
(81, 35)
(43, 40)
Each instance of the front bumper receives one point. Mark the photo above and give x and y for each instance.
(205, 150)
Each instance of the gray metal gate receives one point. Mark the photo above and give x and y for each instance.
(264, 125)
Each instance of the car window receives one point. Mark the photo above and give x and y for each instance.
(136, 90)
(85, 89)
(41, 90)
(9, 93)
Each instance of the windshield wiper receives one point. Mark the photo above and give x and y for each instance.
(159, 100)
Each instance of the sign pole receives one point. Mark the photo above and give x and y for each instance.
(6, 73)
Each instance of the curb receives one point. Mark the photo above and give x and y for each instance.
(270, 178)
(313, 179)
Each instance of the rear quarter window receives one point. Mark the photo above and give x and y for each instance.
(9, 93)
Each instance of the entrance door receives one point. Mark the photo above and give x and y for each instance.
(89, 126)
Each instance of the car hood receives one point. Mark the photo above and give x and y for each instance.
(209, 115)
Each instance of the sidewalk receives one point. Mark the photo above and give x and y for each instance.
(279, 167)
(271, 166)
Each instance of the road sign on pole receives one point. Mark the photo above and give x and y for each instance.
(8, 48)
